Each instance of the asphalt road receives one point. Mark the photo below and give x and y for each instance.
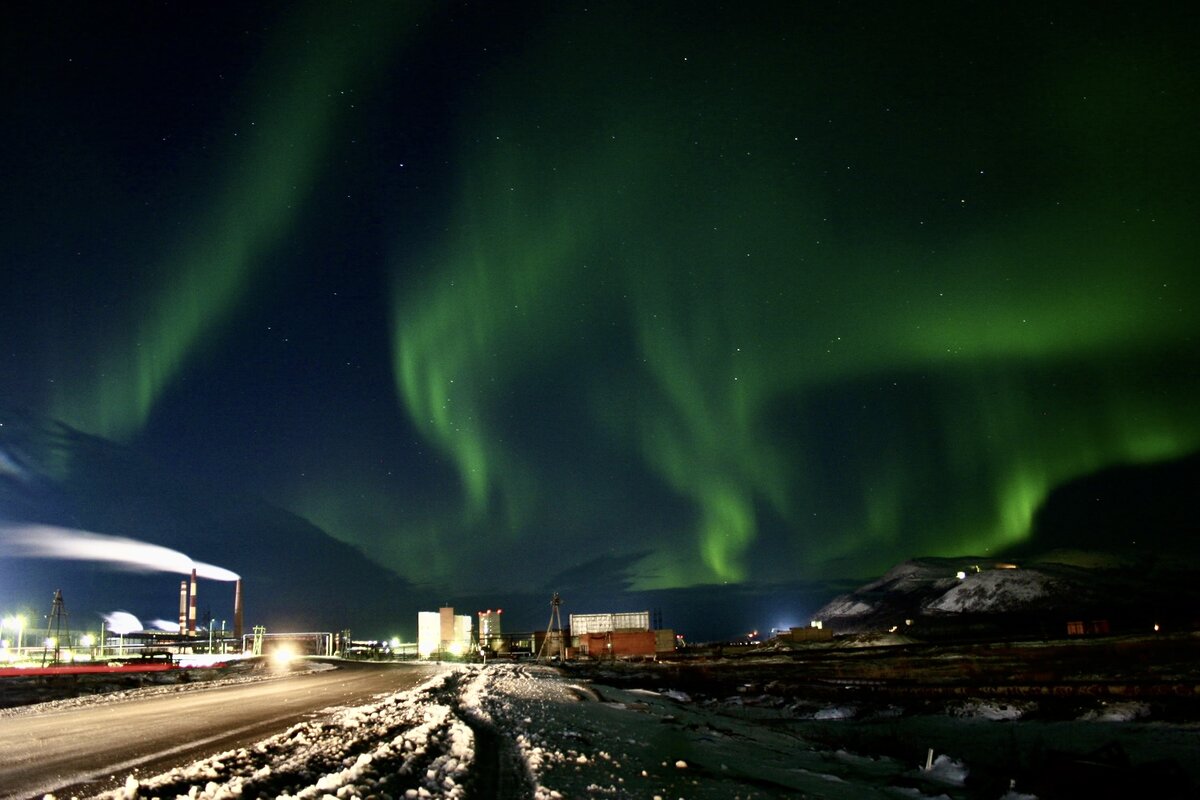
(88, 749)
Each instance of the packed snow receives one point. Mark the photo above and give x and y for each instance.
(523, 730)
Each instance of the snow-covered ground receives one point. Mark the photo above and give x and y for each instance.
(523, 730)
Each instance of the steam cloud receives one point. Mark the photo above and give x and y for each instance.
(50, 541)
(123, 622)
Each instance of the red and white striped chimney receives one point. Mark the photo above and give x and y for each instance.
(192, 607)
(183, 606)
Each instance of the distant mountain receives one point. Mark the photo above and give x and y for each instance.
(934, 597)
(295, 575)
(1121, 545)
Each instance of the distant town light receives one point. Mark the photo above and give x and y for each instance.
(962, 576)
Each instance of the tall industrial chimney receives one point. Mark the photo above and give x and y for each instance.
(237, 611)
(183, 606)
(192, 607)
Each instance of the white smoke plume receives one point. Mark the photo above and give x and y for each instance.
(51, 541)
(123, 622)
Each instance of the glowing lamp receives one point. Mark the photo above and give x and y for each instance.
(283, 654)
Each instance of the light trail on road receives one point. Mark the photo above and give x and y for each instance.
(86, 749)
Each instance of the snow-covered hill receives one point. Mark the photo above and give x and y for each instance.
(942, 594)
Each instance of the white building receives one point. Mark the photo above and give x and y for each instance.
(442, 633)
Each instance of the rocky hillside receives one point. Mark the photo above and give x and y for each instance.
(948, 596)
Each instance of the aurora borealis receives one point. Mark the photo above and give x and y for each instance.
(731, 297)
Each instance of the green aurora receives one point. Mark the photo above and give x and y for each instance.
(272, 146)
(727, 300)
(756, 290)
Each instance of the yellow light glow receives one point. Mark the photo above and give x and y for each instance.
(455, 648)
(283, 654)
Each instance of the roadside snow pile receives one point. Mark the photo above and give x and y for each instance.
(511, 730)
(610, 743)
(410, 744)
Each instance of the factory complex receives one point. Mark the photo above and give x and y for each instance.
(441, 634)
(620, 635)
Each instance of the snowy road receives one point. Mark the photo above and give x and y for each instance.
(82, 748)
(527, 732)
(532, 732)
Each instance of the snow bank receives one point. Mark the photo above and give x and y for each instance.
(640, 744)
(410, 744)
(991, 709)
(528, 731)
(1118, 712)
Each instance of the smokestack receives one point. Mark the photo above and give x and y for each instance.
(237, 611)
(192, 607)
(183, 605)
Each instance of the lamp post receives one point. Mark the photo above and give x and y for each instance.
(17, 623)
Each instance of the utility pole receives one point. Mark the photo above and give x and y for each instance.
(554, 624)
(54, 623)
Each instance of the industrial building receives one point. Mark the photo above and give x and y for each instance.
(490, 634)
(441, 633)
(617, 635)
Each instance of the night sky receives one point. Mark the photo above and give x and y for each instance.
(671, 296)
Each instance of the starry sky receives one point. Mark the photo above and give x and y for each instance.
(666, 297)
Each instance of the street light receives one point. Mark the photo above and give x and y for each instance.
(17, 623)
